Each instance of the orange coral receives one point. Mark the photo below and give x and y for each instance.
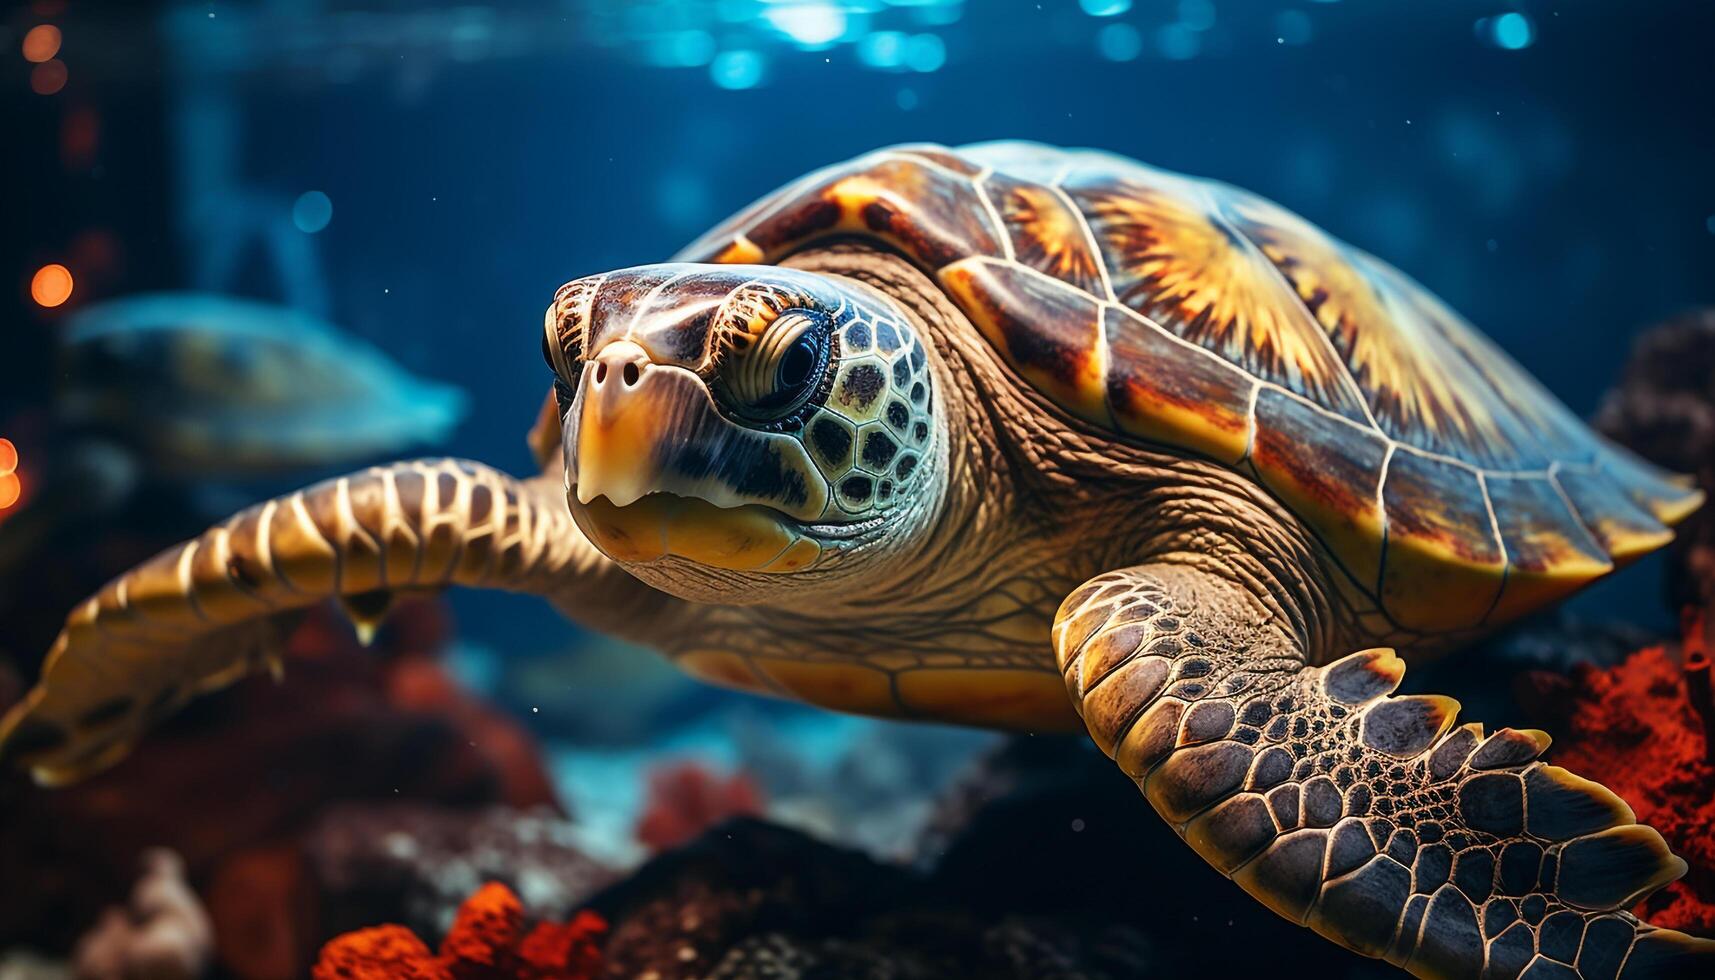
(487, 942)
(380, 953)
(564, 952)
(487, 929)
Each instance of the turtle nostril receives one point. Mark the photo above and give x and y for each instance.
(630, 373)
(600, 372)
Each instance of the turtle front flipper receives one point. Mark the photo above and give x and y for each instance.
(197, 616)
(1374, 820)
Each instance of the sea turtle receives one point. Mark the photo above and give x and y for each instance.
(951, 434)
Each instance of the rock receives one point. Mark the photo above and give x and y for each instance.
(23, 964)
(161, 934)
(1049, 829)
(415, 863)
(1012, 948)
(682, 912)
(1664, 409)
(1047, 863)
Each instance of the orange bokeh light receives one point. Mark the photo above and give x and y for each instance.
(41, 43)
(10, 487)
(48, 77)
(52, 285)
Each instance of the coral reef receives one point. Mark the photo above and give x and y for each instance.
(686, 798)
(487, 941)
(1647, 727)
(1638, 729)
(409, 863)
(162, 933)
(236, 783)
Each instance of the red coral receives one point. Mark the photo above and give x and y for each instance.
(487, 928)
(487, 942)
(686, 799)
(564, 952)
(1635, 729)
(381, 953)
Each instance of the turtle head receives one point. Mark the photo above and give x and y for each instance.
(733, 433)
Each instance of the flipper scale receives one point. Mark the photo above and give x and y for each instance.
(1373, 818)
(201, 615)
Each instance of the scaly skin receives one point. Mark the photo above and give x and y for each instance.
(977, 582)
(1356, 814)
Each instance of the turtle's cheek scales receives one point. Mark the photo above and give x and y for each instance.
(869, 437)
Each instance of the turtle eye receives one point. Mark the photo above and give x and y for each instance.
(798, 366)
(780, 371)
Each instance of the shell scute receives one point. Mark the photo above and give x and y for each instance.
(1161, 391)
(1326, 471)
(941, 157)
(1382, 342)
(1035, 162)
(1046, 232)
(1049, 332)
(1549, 552)
(1671, 499)
(904, 198)
(1173, 259)
(1444, 564)
(1619, 523)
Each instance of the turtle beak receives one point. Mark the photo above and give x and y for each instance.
(653, 468)
(624, 404)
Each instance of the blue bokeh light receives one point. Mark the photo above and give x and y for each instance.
(312, 211)
(1509, 32)
(812, 25)
(1119, 42)
(1514, 31)
(925, 52)
(737, 69)
(1196, 15)
(1105, 8)
(681, 49)
(883, 49)
(1176, 42)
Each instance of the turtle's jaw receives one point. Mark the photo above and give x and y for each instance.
(747, 538)
(654, 470)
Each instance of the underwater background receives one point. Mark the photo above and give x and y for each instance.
(257, 243)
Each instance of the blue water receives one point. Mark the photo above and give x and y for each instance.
(426, 175)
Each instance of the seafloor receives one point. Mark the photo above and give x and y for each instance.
(388, 786)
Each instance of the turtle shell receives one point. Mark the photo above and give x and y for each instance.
(1445, 481)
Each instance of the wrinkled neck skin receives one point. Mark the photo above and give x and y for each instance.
(1028, 505)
